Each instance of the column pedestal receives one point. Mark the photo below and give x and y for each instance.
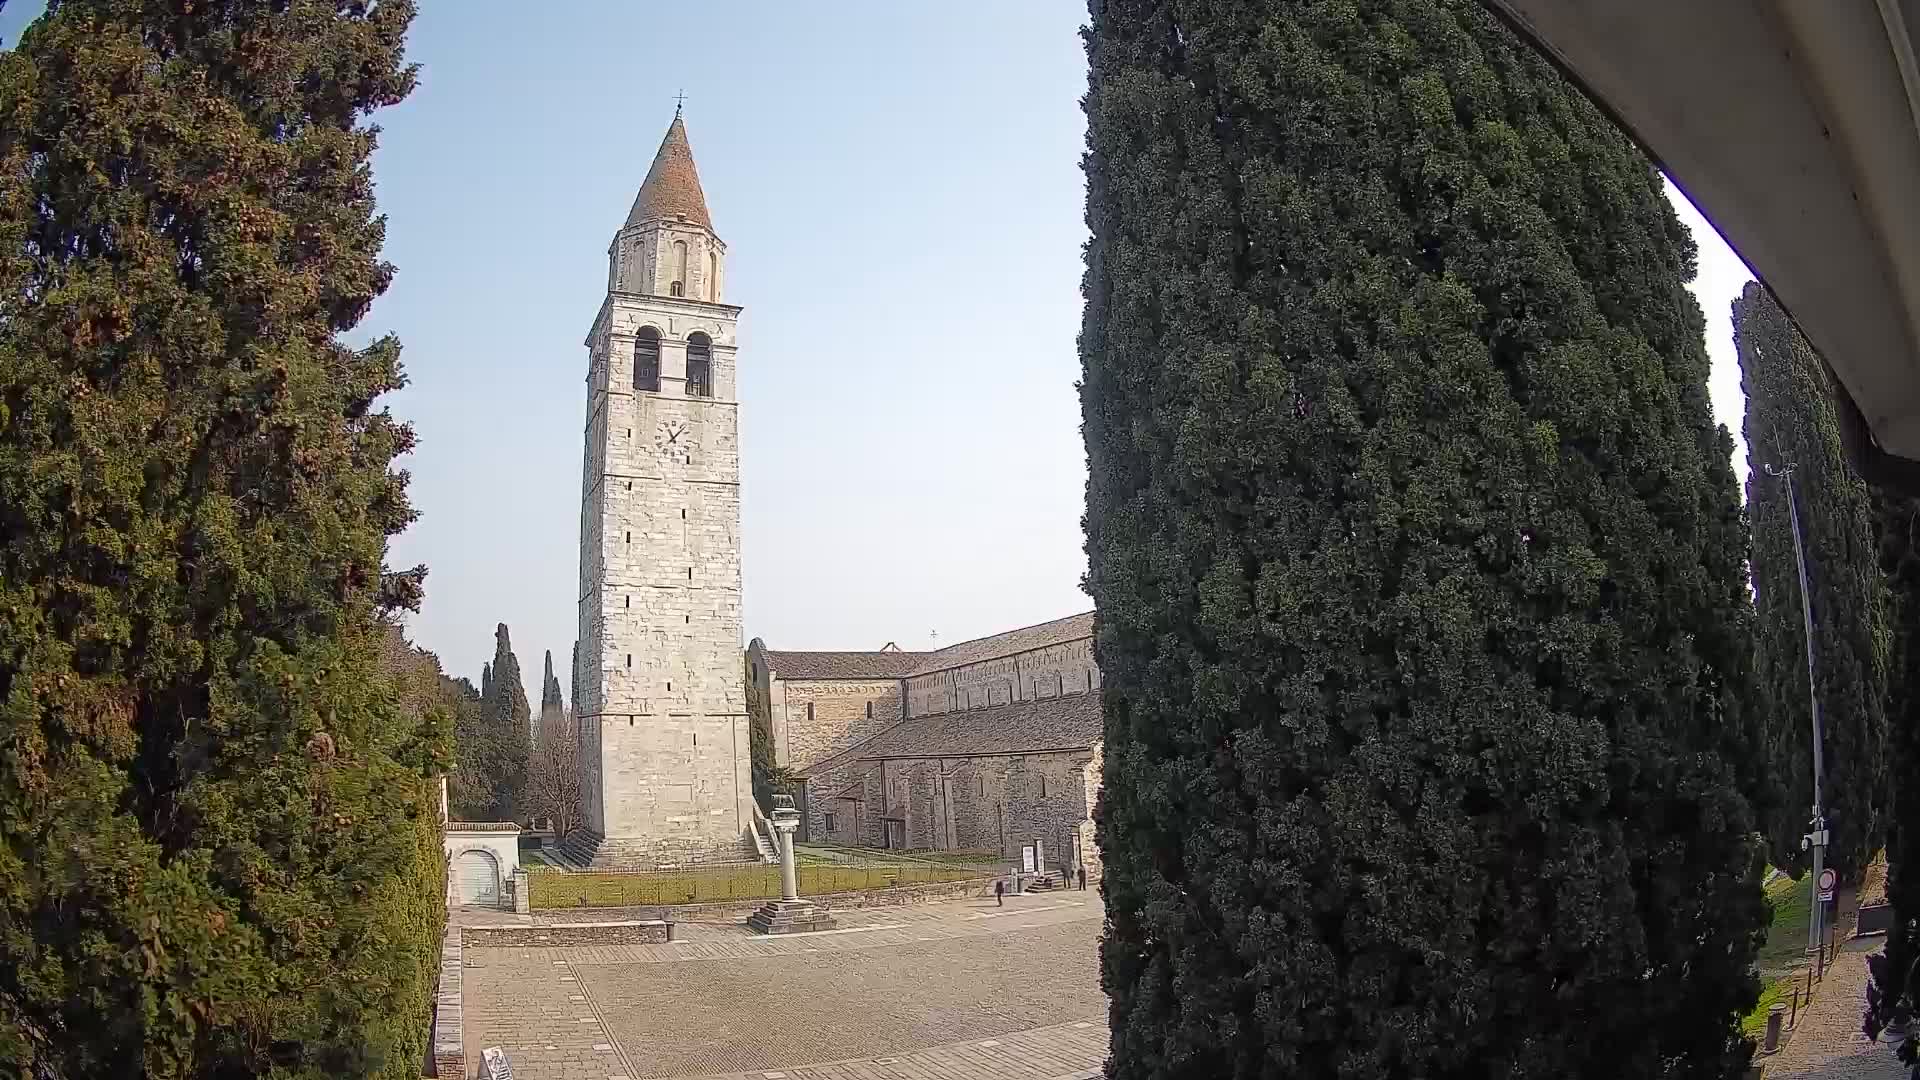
(790, 917)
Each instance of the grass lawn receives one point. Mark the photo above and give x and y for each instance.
(1786, 944)
(837, 853)
(1785, 947)
(558, 889)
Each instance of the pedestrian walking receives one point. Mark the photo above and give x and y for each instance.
(1082, 873)
(1000, 892)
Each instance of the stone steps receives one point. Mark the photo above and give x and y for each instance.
(790, 917)
(1046, 882)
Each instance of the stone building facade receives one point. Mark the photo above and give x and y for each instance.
(988, 745)
(661, 704)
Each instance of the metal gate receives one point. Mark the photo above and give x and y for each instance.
(476, 879)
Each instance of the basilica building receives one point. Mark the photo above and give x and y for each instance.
(988, 745)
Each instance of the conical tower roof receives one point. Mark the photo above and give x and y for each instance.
(672, 188)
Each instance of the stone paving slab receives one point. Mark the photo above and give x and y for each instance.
(1072, 1051)
(948, 979)
(867, 934)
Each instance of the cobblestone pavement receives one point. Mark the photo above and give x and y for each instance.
(1827, 1042)
(925, 988)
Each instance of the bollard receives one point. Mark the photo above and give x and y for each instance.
(1794, 1019)
(1776, 1013)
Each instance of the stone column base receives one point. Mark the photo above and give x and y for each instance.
(790, 917)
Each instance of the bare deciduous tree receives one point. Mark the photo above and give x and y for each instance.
(553, 782)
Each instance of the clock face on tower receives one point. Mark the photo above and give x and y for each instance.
(671, 441)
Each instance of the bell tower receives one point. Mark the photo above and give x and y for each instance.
(662, 715)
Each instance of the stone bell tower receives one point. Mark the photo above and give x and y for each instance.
(662, 715)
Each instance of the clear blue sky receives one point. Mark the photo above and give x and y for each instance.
(899, 187)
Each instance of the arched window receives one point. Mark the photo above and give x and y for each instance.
(699, 366)
(646, 360)
(679, 286)
(713, 277)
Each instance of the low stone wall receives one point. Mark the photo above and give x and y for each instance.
(557, 934)
(730, 911)
(449, 1037)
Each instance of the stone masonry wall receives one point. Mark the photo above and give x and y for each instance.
(851, 824)
(842, 713)
(1039, 673)
(449, 1032)
(663, 705)
(997, 803)
(559, 934)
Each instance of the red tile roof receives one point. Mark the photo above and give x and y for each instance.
(672, 188)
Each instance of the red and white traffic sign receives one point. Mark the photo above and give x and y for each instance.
(1827, 881)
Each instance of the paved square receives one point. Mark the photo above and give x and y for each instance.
(903, 992)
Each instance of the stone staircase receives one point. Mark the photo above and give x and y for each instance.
(800, 916)
(1047, 881)
(762, 831)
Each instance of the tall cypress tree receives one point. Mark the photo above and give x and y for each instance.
(1790, 421)
(551, 702)
(219, 842)
(1893, 998)
(1418, 561)
(510, 726)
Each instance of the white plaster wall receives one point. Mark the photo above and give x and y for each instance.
(502, 843)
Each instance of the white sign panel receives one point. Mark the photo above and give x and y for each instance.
(496, 1064)
(1026, 859)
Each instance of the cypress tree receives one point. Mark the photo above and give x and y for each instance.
(219, 842)
(1893, 997)
(1418, 561)
(551, 703)
(510, 727)
(471, 790)
(1790, 421)
(486, 682)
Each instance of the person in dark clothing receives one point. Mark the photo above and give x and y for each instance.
(1000, 893)
(1082, 873)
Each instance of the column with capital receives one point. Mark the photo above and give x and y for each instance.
(791, 914)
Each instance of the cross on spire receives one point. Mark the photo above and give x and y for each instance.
(679, 100)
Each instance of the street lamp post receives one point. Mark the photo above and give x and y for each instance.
(1815, 840)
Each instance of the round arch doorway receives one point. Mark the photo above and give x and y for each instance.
(476, 879)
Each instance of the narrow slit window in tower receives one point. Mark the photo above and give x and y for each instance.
(679, 286)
